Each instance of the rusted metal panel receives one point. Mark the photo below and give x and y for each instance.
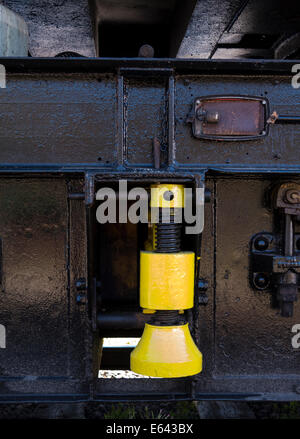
(230, 118)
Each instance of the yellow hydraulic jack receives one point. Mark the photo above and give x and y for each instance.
(166, 348)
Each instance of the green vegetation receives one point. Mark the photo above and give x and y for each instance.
(276, 410)
(289, 410)
(174, 410)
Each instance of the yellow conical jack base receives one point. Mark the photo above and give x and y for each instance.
(166, 352)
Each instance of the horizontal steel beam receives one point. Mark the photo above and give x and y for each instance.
(100, 65)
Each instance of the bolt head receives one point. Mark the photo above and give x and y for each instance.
(212, 117)
(81, 299)
(261, 243)
(203, 299)
(292, 196)
(80, 284)
(202, 284)
(146, 51)
(261, 280)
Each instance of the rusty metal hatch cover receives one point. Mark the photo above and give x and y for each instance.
(229, 117)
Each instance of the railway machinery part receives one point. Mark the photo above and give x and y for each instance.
(225, 296)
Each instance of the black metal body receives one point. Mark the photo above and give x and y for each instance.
(71, 126)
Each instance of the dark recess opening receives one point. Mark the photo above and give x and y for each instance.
(124, 40)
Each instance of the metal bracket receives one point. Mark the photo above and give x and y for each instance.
(267, 259)
(275, 259)
(271, 271)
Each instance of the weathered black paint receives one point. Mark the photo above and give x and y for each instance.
(71, 126)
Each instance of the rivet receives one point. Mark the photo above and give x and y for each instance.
(261, 243)
(261, 280)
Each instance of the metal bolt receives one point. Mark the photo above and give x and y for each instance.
(80, 284)
(207, 116)
(261, 243)
(81, 299)
(202, 284)
(202, 299)
(261, 280)
(295, 196)
(146, 51)
(212, 117)
(200, 115)
(292, 196)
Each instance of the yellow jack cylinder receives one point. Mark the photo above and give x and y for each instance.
(166, 352)
(166, 348)
(167, 280)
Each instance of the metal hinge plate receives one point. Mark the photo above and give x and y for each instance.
(229, 117)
